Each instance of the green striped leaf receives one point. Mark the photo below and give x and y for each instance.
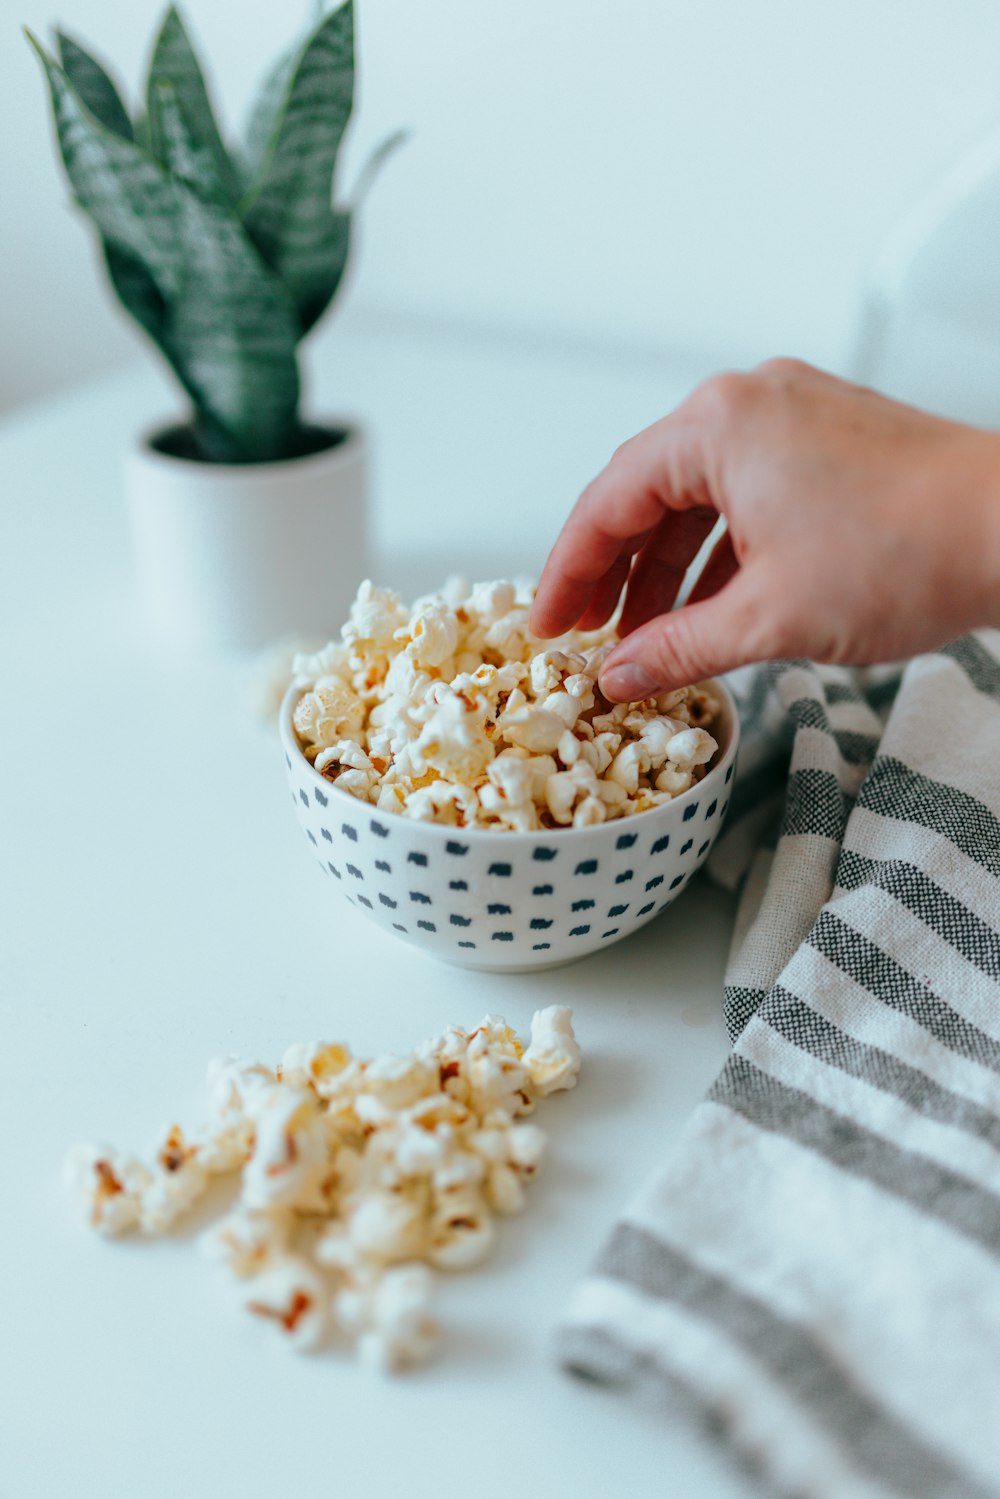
(174, 141)
(263, 118)
(130, 198)
(135, 289)
(374, 164)
(220, 315)
(233, 330)
(288, 208)
(94, 85)
(175, 62)
(132, 283)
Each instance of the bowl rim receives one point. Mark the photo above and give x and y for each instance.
(290, 744)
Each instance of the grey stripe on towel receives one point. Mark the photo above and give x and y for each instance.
(791, 1356)
(867, 969)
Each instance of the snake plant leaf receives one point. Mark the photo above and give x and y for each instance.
(288, 208)
(175, 62)
(374, 164)
(225, 264)
(132, 283)
(233, 331)
(174, 141)
(94, 85)
(129, 197)
(334, 245)
(263, 117)
(135, 289)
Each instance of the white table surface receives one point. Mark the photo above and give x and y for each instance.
(158, 907)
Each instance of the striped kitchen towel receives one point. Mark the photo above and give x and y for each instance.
(816, 1268)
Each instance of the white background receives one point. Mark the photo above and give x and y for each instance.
(706, 179)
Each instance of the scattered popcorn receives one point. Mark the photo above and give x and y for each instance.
(462, 1231)
(357, 1175)
(453, 712)
(392, 1318)
(107, 1187)
(289, 1292)
(552, 1061)
(246, 1241)
(387, 1227)
(290, 1153)
(179, 1178)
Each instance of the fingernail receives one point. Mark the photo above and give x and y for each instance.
(628, 682)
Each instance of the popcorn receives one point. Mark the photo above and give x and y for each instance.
(561, 792)
(315, 1064)
(400, 1081)
(460, 1170)
(512, 1152)
(581, 687)
(516, 780)
(504, 1190)
(673, 781)
(232, 1083)
(461, 1231)
(375, 616)
(590, 812)
(107, 1187)
(431, 635)
(563, 707)
(548, 670)
(391, 1318)
(453, 740)
(225, 1146)
(419, 711)
(553, 1058)
(332, 661)
(292, 1295)
(628, 765)
(498, 1082)
(691, 747)
(387, 1227)
(356, 1174)
(535, 729)
(290, 1151)
(329, 712)
(347, 763)
(245, 1241)
(442, 801)
(401, 1330)
(178, 1181)
(510, 636)
(491, 601)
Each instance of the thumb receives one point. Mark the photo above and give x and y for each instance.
(733, 627)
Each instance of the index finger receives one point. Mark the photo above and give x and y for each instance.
(660, 469)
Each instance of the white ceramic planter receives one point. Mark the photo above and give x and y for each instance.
(237, 555)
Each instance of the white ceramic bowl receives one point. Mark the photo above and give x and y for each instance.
(507, 902)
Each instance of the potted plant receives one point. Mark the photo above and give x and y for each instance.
(248, 518)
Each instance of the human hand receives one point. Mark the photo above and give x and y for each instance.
(859, 530)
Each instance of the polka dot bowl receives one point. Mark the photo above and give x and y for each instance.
(509, 902)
